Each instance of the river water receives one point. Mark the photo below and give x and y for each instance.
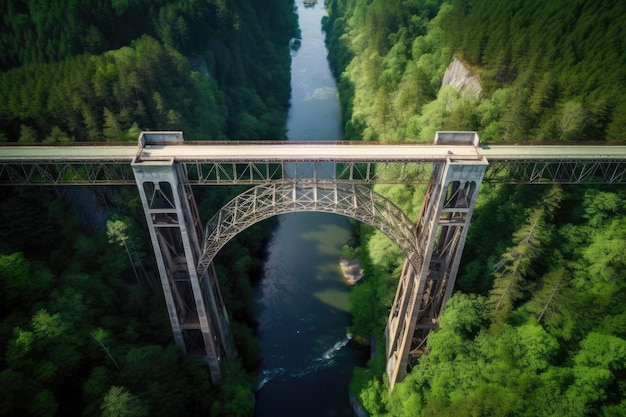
(308, 357)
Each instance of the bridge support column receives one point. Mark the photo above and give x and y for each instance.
(197, 313)
(428, 281)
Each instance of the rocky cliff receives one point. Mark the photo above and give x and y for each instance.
(460, 78)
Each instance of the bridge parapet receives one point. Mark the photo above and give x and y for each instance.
(457, 138)
(147, 138)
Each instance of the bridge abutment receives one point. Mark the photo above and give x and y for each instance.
(196, 310)
(428, 279)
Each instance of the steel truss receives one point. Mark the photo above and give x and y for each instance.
(215, 173)
(66, 173)
(254, 173)
(557, 172)
(264, 201)
(225, 173)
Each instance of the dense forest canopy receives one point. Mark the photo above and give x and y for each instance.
(83, 327)
(549, 70)
(537, 324)
(94, 71)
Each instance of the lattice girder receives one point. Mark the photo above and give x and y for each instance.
(221, 173)
(559, 172)
(67, 173)
(583, 171)
(268, 200)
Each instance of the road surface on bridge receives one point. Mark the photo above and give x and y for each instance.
(305, 152)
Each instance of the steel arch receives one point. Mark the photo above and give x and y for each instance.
(268, 200)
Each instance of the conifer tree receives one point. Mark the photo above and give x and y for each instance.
(516, 263)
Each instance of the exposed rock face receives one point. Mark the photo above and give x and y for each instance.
(461, 79)
(351, 270)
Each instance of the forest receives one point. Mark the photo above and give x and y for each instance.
(550, 72)
(536, 325)
(101, 71)
(84, 330)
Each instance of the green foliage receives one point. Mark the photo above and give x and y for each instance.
(560, 348)
(90, 98)
(539, 71)
(549, 260)
(514, 267)
(81, 325)
(387, 64)
(120, 403)
(363, 318)
(548, 297)
(370, 388)
(348, 252)
(466, 315)
(236, 400)
(80, 334)
(15, 274)
(84, 72)
(552, 55)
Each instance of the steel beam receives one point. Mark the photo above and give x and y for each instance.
(580, 171)
(253, 163)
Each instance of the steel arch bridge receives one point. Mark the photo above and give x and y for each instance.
(307, 176)
(350, 200)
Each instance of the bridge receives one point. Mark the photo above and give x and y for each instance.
(324, 176)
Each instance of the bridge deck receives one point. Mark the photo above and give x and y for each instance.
(305, 152)
(356, 162)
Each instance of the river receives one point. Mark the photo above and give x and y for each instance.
(308, 357)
